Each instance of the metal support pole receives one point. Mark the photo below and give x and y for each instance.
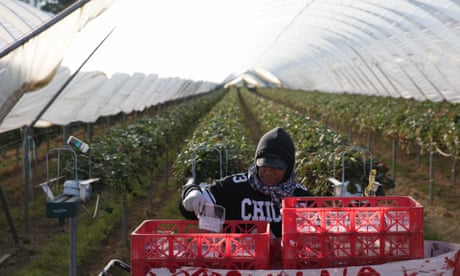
(393, 165)
(73, 247)
(369, 139)
(166, 167)
(431, 177)
(454, 170)
(89, 136)
(26, 170)
(8, 216)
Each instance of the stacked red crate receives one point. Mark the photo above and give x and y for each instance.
(177, 243)
(323, 232)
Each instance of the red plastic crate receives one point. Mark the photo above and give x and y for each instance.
(176, 243)
(323, 232)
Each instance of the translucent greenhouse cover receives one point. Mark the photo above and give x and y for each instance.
(117, 56)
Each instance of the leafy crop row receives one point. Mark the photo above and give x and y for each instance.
(136, 149)
(219, 146)
(315, 144)
(316, 147)
(424, 126)
(223, 128)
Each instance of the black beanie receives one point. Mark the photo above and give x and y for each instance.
(277, 142)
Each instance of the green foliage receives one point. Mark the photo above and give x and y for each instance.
(314, 143)
(128, 152)
(219, 145)
(113, 151)
(170, 210)
(415, 125)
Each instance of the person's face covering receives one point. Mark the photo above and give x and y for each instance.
(270, 176)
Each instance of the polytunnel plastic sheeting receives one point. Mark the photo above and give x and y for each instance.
(30, 104)
(17, 19)
(68, 106)
(87, 95)
(92, 95)
(390, 48)
(33, 43)
(342, 49)
(123, 93)
(135, 100)
(153, 94)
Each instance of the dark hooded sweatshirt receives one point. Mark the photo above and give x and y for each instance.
(240, 199)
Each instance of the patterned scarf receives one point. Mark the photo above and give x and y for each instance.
(278, 192)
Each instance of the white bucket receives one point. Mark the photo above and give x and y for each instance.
(212, 217)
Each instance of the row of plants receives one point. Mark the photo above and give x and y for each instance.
(125, 160)
(316, 147)
(135, 150)
(416, 125)
(220, 145)
(223, 127)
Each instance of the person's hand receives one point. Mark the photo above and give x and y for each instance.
(194, 202)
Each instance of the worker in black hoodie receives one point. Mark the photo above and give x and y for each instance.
(257, 194)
